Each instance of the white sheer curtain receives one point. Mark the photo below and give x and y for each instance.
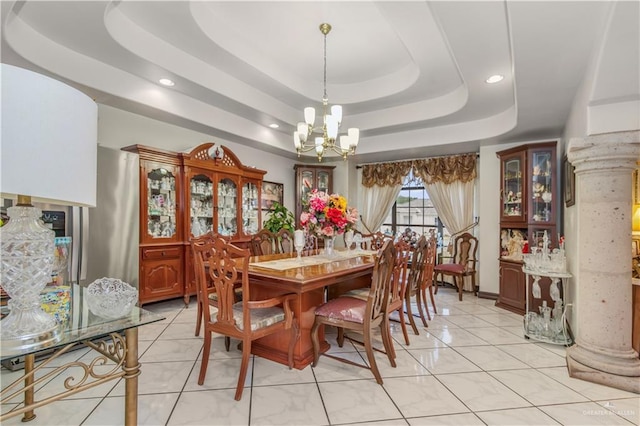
(453, 202)
(449, 182)
(376, 203)
(381, 184)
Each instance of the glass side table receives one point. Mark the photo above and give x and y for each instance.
(111, 340)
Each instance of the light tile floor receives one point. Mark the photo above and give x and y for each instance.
(471, 366)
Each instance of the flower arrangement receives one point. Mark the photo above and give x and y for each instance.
(327, 215)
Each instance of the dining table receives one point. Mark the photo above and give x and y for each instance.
(313, 279)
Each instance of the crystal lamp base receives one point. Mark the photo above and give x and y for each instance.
(27, 250)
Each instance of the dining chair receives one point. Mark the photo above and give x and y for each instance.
(376, 240)
(430, 260)
(397, 290)
(212, 297)
(264, 242)
(414, 282)
(465, 248)
(246, 320)
(360, 316)
(284, 239)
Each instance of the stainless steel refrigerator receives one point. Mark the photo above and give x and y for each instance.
(104, 238)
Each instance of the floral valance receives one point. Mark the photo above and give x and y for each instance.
(439, 169)
(385, 174)
(446, 169)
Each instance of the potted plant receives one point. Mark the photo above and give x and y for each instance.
(279, 217)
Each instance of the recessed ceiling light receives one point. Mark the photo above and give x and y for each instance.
(496, 78)
(273, 125)
(166, 82)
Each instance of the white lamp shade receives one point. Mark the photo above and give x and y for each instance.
(319, 141)
(296, 140)
(332, 126)
(302, 131)
(345, 142)
(310, 115)
(354, 136)
(49, 140)
(336, 111)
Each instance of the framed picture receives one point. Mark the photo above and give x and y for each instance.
(271, 192)
(569, 179)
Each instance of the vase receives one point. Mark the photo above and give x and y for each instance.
(328, 246)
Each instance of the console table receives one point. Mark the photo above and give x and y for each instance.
(111, 340)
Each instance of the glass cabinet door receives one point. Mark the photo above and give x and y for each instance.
(306, 184)
(161, 204)
(250, 206)
(323, 181)
(201, 205)
(542, 181)
(512, 188)
(227, 207)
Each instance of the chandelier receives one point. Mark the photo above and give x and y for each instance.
(326, 135)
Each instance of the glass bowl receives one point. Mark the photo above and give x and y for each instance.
(111, 298)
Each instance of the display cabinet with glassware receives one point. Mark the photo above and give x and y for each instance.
(187, 195)
(223, 197)
(161, 251)
(308, 178)
(529, 185)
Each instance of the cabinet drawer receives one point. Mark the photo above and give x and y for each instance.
(161, 252)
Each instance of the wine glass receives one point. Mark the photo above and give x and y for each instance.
(298, 242)
(348, 239)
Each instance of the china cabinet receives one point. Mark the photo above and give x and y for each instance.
(223, 196)
(529, 185)
(161, 252)
(308, 178)
(185, 195)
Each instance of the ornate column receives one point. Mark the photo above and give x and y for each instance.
(603, 352)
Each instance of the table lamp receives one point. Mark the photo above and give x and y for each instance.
(49, 149)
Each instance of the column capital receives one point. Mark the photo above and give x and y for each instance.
(605, 151)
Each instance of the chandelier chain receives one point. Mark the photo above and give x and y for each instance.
(325, 67)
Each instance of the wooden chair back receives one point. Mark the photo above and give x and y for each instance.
(264, 242)
(284, 239)
(415, 278)
(376, 240)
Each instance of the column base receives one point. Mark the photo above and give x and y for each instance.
(614, 369)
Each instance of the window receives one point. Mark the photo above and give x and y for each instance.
(413, 211)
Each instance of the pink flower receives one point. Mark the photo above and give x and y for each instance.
(328, 231)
